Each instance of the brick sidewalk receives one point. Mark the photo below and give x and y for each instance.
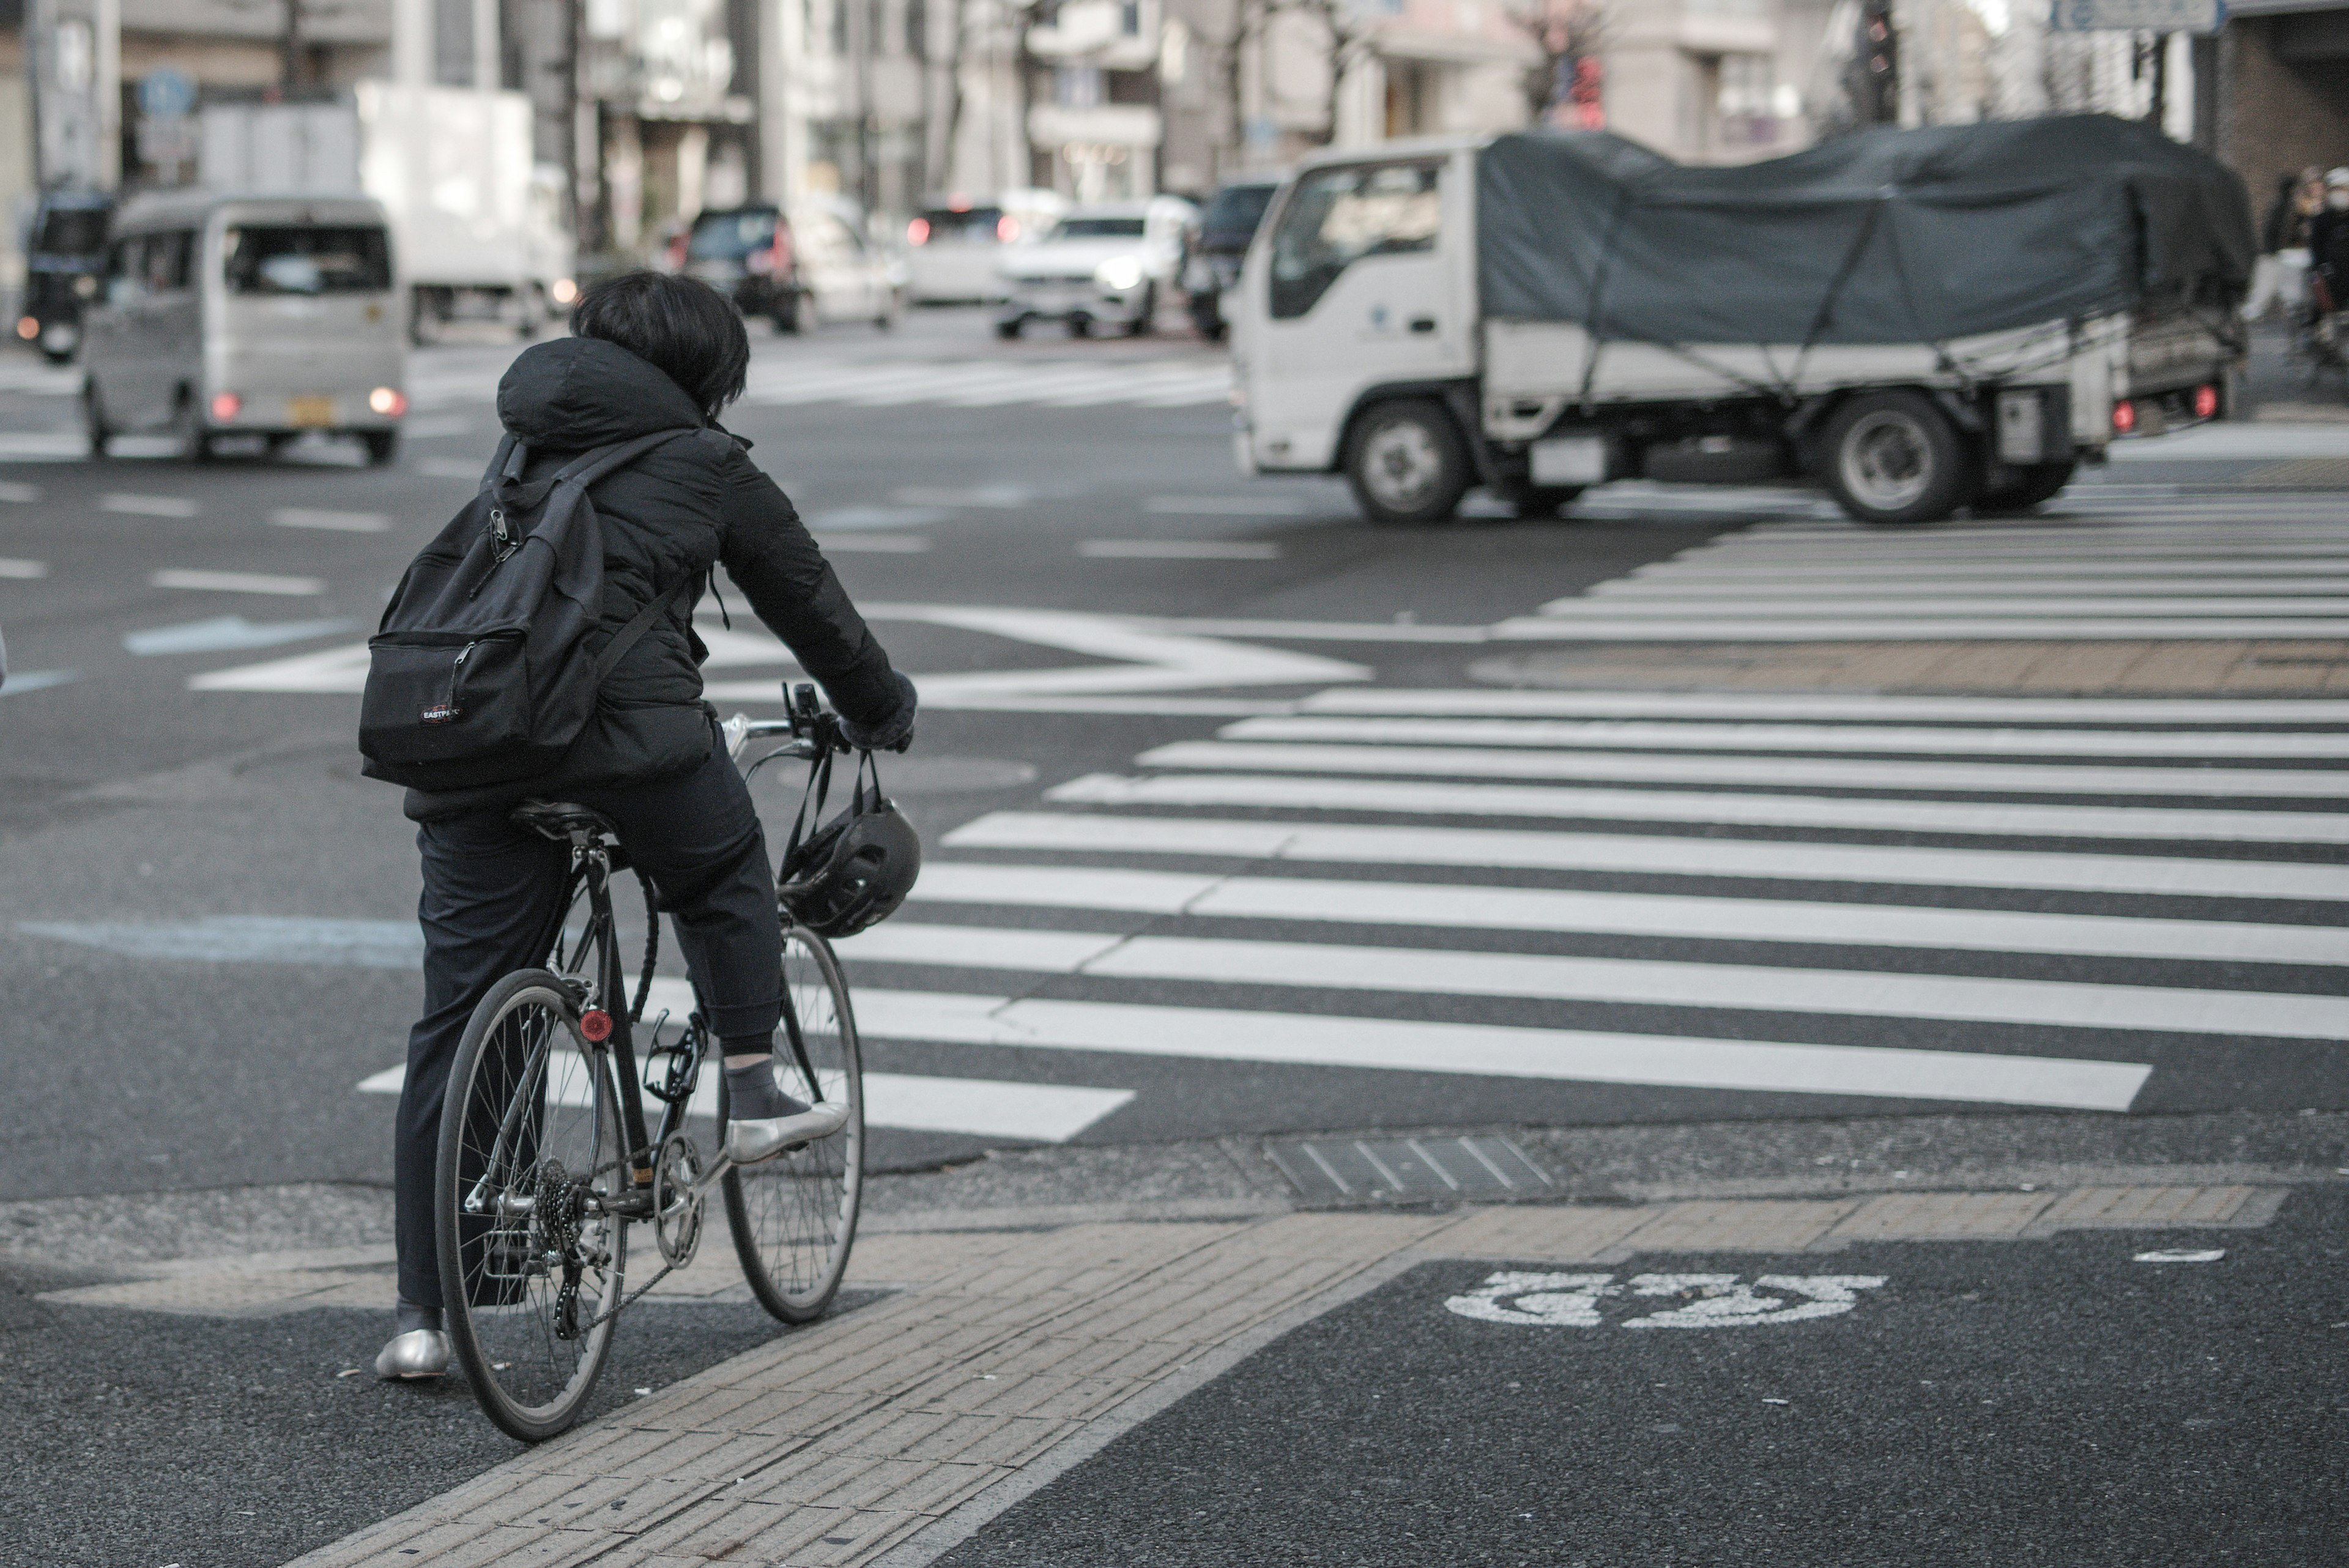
(1000, 1359)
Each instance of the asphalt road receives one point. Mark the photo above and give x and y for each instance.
(1227, 836)
(2046, 1402)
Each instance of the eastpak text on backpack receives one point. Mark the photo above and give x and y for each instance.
(479, 672)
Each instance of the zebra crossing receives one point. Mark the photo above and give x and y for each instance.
(787, 382)
(2097, 566)
(1328, 892)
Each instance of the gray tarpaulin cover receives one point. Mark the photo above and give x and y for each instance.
(1888, 236)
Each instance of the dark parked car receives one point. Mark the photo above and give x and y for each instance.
(746, 254)
(64, 255)
(1219, 243)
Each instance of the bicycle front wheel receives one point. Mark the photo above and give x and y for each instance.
(532, 1260)
(794, 1215)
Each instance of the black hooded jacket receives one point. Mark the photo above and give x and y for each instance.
(669, 517)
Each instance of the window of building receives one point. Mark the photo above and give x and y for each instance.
(1339, 216)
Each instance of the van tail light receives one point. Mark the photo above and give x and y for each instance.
(2206, 402)
(2124, 417)
(917, 233)
(1006, 228)
(676, 252)
(226, 405)
(782, 245)
(388, 400)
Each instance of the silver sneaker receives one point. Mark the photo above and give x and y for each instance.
(419, 1353)
(748, 1142)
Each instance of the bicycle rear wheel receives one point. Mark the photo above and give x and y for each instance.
(532, 1261)
(794, 1217)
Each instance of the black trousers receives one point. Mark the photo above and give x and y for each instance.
(491, 892)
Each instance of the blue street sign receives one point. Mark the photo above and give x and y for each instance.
(2139, 15)
(166, 93)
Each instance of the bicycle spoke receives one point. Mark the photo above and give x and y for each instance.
(530, 1151)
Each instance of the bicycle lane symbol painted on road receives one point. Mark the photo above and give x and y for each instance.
(1706, 1301)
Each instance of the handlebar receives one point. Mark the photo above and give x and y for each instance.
(813, 732)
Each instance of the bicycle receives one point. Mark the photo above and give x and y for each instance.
(547, 1162)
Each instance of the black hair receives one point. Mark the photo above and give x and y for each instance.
(679, 325)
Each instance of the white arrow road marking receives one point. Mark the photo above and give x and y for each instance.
(225, 632)
(237, 583)
(1146, 660)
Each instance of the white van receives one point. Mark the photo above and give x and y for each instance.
(223, 316)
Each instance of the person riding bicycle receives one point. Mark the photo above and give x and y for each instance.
(648, 353)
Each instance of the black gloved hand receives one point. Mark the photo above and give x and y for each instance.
(894, 733)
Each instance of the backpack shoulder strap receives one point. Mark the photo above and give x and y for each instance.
(625, 637)
(506, 462)
(588, 467)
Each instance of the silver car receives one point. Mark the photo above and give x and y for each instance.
(223, 316)
(1107, 265)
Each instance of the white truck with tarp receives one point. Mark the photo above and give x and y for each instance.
(1919, 320)
(477, 227)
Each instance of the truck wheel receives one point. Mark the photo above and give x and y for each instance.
(1543, 501)
(1145, 320)
(1893, 457)
(1406, 463)
(2032, 483)
(382, 446)
(1008, 331)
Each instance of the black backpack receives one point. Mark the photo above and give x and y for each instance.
(479, 672)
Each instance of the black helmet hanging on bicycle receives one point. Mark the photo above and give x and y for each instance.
(841, 876)
(855, 871)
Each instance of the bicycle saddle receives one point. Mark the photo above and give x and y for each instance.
(562, 820)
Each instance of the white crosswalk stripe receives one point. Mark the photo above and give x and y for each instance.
(2095, 567)
(778, 383)
(991, 384)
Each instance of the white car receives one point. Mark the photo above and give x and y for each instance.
(953, 245)
(1107, 265)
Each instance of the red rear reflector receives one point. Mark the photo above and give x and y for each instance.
(2125, 417)
(2206, 402)
(596, 1025)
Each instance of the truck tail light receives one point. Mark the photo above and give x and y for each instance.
(2206, 402)
(2124, 417)
(388, 400)
(226, 405)
(28, 328)
(918, 231)
(1006, 228)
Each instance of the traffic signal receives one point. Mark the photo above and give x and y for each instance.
(1877, 55)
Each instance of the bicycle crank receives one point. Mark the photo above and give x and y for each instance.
(679, 1187)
